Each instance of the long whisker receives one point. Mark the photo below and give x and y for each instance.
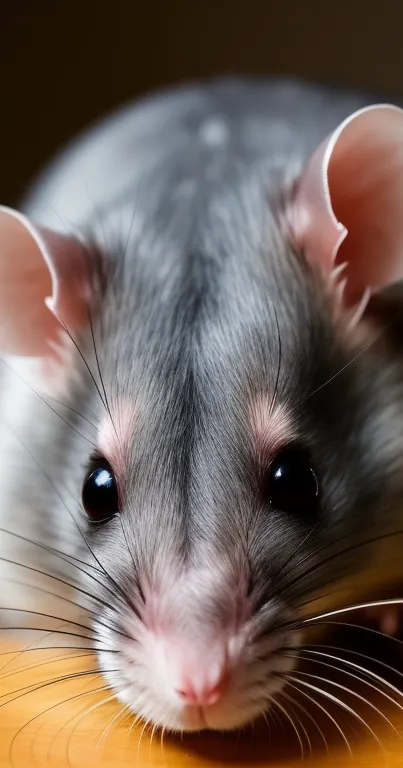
(68, 622)
(73, 410)
(129, 549)
(356, 626)
(27, 689)
(310, 718)
(368, 672)
(63, 555)
(279, 357)
(135, 720)
(146, 723)
(348, 550)
(31, 649)
(33, 646)
(99, 367)
(317, 704)
(361, 680)
(66, 583)
(112, 581)
(46, 663)
(162, 741)
(354, 653)
(339, 703)
(291, 721)
(49, 397)
(349, 608)
(47, 404)
(351, 692)
(87, 712)
(154, 728)
(350, 362)
(300, 545)
(49, 709)
(293, 703)
(106, 731)
(72, 339)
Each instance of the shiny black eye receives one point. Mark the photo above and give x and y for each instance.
(291, 485)
(100, 493)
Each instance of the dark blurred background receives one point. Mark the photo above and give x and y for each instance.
(63, 64)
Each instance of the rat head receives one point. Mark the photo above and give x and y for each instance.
(244, 431)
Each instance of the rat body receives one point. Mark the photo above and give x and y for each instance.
(224, 444)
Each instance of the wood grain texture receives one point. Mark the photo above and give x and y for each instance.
(74, 723)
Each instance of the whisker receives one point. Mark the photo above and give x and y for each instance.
(310, 718)
(293, 703)
(46, 663)
(43, 629)
(33, 646)
(100, 622)
(361, 680)
(73, 410)
(349, 608)
(350, 362)
(134, 608)
(106, 731)
(31, 649)
(45, 616)
(339, 703)
(354, 547)
(99, 368)
(45, 711)
(47, 404)
(52, 550)
(87, 712)
(355, 653)
(301, 544)
(357, 626)
(72, 339)
(66, 583)
(112, 581)
(27, 689)
(135, 720)
(351, 692)
(279, 355)
(162, 741)
(317, 704)
(291, 721)
(154, 728)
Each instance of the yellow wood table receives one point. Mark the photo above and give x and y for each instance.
(74, 723)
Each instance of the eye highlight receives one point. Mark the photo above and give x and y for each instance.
(100, 493)
(291, 485)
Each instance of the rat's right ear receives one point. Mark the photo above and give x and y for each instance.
(347, 211)
(44, 286)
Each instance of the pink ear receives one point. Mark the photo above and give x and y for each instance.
(43, 286)
(348, 206)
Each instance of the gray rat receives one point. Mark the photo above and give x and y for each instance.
(202, 388)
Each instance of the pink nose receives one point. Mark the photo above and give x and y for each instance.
(202, 691)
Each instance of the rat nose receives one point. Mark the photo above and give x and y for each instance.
(202, 690)
(199, 675)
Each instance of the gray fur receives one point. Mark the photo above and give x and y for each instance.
(205, 305)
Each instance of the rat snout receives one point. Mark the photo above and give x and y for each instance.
(199, 675)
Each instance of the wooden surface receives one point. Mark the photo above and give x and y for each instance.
(73, 723)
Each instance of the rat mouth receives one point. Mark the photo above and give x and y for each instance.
(143, 680)
(241, 704)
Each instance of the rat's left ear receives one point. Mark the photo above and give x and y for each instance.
(348, 205)
(44, 287)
